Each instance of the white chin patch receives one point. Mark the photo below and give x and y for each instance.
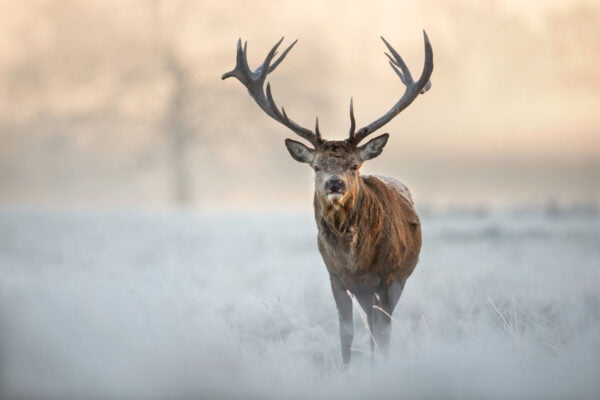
(334, 197)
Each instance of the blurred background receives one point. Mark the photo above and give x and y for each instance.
(108, 107)
(119, 103)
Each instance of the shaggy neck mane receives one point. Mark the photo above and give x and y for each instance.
(339, 217)
(363, 221)
(359, 220)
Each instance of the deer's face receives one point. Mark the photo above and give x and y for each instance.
(336, 164)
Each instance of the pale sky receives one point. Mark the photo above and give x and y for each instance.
(512, 116)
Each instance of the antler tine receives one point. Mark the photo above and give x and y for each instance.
(254, 82)
(244, 53)
(264, 68)
(282, 56)
(317, 132)
(398, 62)
(352, 120)
(410, 94)
(406, 80)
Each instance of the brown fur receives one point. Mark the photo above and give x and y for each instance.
(369, 232)
(371, 239)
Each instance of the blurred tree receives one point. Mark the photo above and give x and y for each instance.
(167, 17)
(177, 129)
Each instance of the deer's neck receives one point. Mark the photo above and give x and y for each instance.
(353, 231)
(340, 219)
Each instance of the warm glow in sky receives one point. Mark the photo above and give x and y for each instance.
(93, 89)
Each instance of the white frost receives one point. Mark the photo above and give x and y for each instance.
(144, 306)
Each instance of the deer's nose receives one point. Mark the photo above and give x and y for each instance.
(335, 184)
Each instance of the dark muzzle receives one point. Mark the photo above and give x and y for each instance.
(335, 184)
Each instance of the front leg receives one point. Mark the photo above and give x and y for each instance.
(344, 306)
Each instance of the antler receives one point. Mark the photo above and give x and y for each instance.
(412, 90)
(254, 82)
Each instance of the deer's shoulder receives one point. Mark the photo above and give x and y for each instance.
(398, 187)
(380, 182)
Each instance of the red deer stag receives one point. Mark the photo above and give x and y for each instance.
(369, 233)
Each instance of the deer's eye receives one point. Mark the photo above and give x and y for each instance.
(354, 167)
(317, 169)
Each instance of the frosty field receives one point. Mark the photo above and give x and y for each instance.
(182, 305)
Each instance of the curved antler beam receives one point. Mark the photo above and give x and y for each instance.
(413, 89)
(254, 81)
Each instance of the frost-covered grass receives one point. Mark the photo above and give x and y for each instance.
(195, 306)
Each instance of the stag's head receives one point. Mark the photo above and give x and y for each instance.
(336, 162)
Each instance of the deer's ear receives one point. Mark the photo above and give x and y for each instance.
(373, 147)
(299, 151)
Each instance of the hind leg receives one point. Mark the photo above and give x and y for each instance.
(367, 301)
(388, 298)
(394, 292)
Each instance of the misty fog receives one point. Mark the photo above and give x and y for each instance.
(186, 305)
(156, 238)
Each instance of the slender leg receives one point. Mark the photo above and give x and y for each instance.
(394, 293)
(388, 298)
(367, 301)
(382, 322)
(344, 306)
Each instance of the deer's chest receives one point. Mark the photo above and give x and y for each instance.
(342, 260)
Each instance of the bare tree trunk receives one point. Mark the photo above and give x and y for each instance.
(177, 130)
